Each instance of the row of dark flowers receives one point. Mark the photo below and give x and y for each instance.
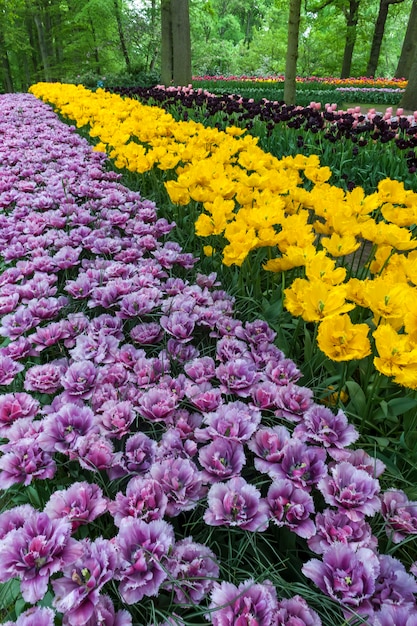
(138, 408)
(333, 125)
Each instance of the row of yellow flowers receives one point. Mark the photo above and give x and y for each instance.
(253, 200)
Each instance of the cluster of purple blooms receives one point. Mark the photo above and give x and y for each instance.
(117, 371)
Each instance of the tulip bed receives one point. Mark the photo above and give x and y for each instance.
(161, 460)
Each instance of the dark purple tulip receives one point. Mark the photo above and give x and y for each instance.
(346, 575)
(352, 491)
(250, 603)
(236, 503)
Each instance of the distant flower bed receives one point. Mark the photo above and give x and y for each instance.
(363, 81)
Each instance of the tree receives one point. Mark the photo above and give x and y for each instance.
(409, 99)
(378, 35)
(292, 51)
(409, 45)
(175, 42)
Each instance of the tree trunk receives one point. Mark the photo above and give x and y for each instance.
(42, 47)
(378, 35)
(351, 16)
(409, 45)
(409, 99)
(175, 42)
(7, 78)
(121, 34)
(292, 51)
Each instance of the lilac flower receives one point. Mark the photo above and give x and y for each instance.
(204, 396)
(264, 395)
(16, 324)
(229, 349)
(321, 426)
(35, 616)
(257, 332)
(268, 445)
(293, 401)
(352, 491)
(200, 370)
(144, 499)
(146, 333)
(105, 615)
(16, 406)
(194, 568)
(24, 462)
(9, 369)
(234, 420)
(40, 548)
(181, 482)
(15, 518)
(77, 592)
(249, 603)
(81, 503)
(282, 372)
(237, 377)
(398, 615)
(236, 503)
(79, 379)
(362, 460)
(302, 464)
(291, 507)
(157, 404)
(45, 378)
(394, 585)
(347, 576)
(221, 459)
(17, 349)
(143, 550)
(93, 452)
(49, 335)
(180, 325)
(400, 515)
(116, 418)
(335, 526)
(62, 429)
(138, 456)
(295, 612)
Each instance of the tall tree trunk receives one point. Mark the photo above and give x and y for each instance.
(7, 78)
(351, 16)
(121, 34)
(409, 45)
(96, 55)
(292, 51)
(175, 42)
(409, 99)
(42, 47)
(378, 35)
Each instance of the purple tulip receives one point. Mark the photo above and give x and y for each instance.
(249, 603)
(295, 612)
(321, 427)
(77, 592)
(181, 481)
(335, 526)
(236, 503)
(291, 507)
(237, 377)
(80, 503)
(194, 568)
(144, 499)
(400, 515)
(143, 550)
(293, 401)
(347, 576)
(352, 491)
(394, 585)
(391, 615)
(35, 616)
(221, 459)
(40, 548)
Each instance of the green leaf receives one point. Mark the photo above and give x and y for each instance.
(398, 406)
(357, 396)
